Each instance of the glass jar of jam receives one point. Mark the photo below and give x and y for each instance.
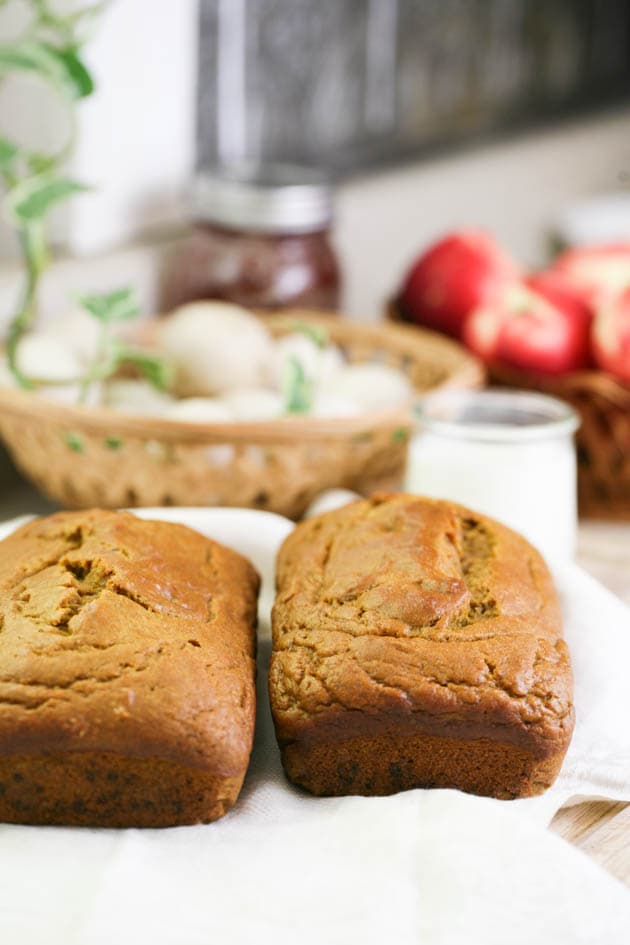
(261, 239)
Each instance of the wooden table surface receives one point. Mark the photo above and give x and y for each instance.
(600, 828)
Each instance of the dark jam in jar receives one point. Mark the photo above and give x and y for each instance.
(261, 239)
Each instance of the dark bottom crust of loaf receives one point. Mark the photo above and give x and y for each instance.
(385, 764)
(107, 790)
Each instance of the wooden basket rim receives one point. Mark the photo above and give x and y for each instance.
(107, 421)
(589, 380)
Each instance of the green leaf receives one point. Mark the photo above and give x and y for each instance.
(113, 442)
(79, 82)
(316, 333)
(117, 306)
(8, 152)
(40, 163)
(74, 442)
(61, 67)
(34, 197)
(296, 387)
(400, 435)
(153, 368)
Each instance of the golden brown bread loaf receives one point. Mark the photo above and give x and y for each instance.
(417, 644)
(127, 675)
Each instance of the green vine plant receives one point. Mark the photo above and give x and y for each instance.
(111, 351)
(297, 388)
(35, 184)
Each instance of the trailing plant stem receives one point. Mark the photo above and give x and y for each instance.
(50, 48)
(97, 369)
(33, 249)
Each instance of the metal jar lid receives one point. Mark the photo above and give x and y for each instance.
(271, 198)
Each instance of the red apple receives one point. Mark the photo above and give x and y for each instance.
(557, 289)
(554, 286)
(596, 272)
(455, 276)
(611, 336)
(521, 329)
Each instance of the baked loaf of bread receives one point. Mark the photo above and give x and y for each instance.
(127, 676)
(417, 644)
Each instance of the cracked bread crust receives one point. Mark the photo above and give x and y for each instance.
(403, 625)
(127, 672)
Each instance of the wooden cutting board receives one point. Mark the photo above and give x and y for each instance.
(601, 829)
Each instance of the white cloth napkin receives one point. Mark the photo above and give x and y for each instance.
(597, 630)
(282, 867)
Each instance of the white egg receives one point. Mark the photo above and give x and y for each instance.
(318, 364)
(334, 405)
(79, 332)
(372, 386)
(131, 396)
(72, 394)
(255, 403)
(41, 357)
(215, 347)
(329, 500)
(200, 410)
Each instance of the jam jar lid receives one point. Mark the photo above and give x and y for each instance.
(271, 198)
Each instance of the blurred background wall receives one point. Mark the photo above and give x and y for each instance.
(429, 113)
(355, 84)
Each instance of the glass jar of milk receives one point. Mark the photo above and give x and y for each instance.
(508, 454)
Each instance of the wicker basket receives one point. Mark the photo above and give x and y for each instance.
(84, 457)
(603, 439)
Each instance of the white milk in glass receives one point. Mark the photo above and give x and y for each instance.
(509, 454)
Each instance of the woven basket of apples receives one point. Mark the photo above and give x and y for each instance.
(564, 330)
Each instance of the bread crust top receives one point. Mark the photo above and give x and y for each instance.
(405, 608)
(127, 636)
